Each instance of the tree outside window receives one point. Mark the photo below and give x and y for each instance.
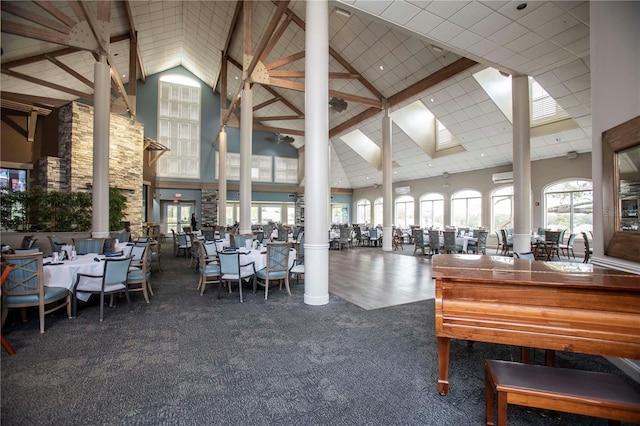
(502, 208)
(363, 212)
(466, 209)
(569, 205)
(404, 211)
(432, 211)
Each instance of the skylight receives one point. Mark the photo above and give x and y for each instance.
(365, 147)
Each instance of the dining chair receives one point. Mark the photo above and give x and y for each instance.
(155, 255)
(566, 248)
(277, 268)
(419, 242)
(588, 250)
(24, 287)
(139, 276)
(209, 267)
(259, 235)
(137, 253)
(27, 242)
(551, 243)
(529, 255)
(345, 237)
(450, 242)
(113, 280)
(283, 234)
(479, 246)
(240, 240)
(6, 268)
(373, 236)
(231, 269)
(89, 245)
(434, 241)
(26, 251)
(500, 242)
(182, 244)
(506, 245)
(297, 267)
(56, 243)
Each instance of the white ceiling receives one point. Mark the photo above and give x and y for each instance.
(547, 40)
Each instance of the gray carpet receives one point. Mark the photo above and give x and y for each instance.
(187, 359)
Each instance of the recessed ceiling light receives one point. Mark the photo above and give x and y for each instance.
(381, 67)
(430, 165)
(124, 75)
(367, 177)
(343, 12)
(521, 6)
(431, 99)
(482, 154)
(236, 77)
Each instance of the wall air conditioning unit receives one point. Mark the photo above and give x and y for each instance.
(403, 189)
(505, 177)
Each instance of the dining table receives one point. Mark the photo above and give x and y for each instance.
(460, 240)
(259, 258)
(63, 273)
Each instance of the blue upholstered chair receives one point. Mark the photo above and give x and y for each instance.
(277, 268)
(89, 245)
(209, 268)
(233, 270)
(113, 280)
(139, 276)
(24, 287)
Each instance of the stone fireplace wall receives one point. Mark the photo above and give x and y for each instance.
(126, 140)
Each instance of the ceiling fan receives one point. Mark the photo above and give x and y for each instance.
(278, 138)
(337, 104)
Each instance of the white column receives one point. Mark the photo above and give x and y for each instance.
(246, 129)
(521, 165)
(222, 178)
(387, 185)
(316, 289)
(101, 125)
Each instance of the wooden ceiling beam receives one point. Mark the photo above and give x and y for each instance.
(266, 36)
(57, 13)
(277, 118)
(275, 38)
(47, 84)
(353, 121)
(431, 80)
(70, 70)
(262, 128)
(54, 25)
(284, 61)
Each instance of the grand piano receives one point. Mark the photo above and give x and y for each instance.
(562, 306)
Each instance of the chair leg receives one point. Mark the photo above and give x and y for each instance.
(41, 315)
(7, 346)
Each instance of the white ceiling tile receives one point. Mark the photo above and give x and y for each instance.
(424, 22)
(445, 9)
(464, 40)
(445, 31)
(401, 12)
(490, 24)
(471, 14)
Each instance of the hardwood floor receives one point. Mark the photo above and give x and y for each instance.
(373, 279)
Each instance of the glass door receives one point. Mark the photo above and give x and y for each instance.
(177, 215)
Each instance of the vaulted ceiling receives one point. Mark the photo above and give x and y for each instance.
(397, 51)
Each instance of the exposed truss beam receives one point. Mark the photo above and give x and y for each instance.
(263, 128)
(47, 84)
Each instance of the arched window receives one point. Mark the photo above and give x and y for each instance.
(377, 212)
(502, 208)
(569, 205)
(404, 211)
(363, 211)
(466, 209)
(432, 211)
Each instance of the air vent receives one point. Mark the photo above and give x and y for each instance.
(505, 177)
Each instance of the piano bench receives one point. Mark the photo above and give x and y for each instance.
(560, 389)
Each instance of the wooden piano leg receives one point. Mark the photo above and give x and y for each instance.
(444, 345)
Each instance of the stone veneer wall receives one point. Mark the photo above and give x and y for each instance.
(209, 205)
(126, 156)
(51, 174)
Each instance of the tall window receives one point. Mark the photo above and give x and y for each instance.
(404, 211)
(339, 213)
(363, 212)
(502, 208)
(432, 211)
(263, 213)
(179, 127)
(377, 212)
(286, 170)
(466, 209)
(569, 205)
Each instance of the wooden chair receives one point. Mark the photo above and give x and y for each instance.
(506, 245)
(277, 267)
(419, 242)
(479, 246)
(6, 268)
(434, 241)
(24, 287)
(568, 248)
(139, 276)
(500, 242)
(209, 267)
(551, 244)
(113, 280)
(450, 242)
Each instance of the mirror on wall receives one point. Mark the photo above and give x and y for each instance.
(629, 188)
(621, 190)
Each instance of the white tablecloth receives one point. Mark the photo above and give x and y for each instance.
(64, 275)
(260, 258)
